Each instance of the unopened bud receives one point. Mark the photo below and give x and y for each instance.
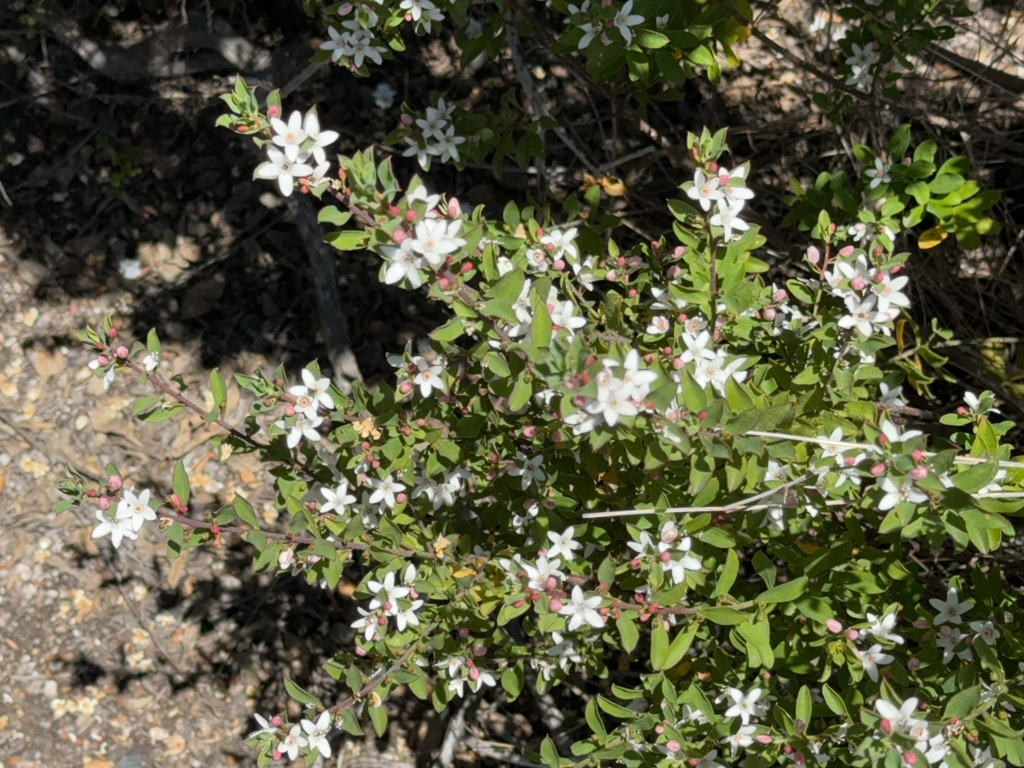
(360, 651)
(885, 725)
(713, 167)
(289, 410)
(634, 563)
(769, 314)
(551, 583)
(518, 603)
(405, 387)
(962, 411)
(406, 119)
(846, 250)
(113, 333)
(103, 360)
(877, 469)
(401, 498)
(779, 295)
(398, 236)
(763, 738)
(917, 455)
(104, 502)
(555, 605)
(121, 352)
(909, 757)
(852, 635)
(114, 483)
(834, 626)
(919, 472)
(672, 746)
(914, 664)
(375, 464)
(857, 283)
(813, 255)
(666, 556)
(454, 209)
(799, 758)
(529, 431)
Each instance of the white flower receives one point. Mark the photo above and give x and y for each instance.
(116, 527)
(135, 509)
(539, 574)
(359, 48)
(279, 167)
(871, 658)
(863, 315)
(590, 31)
(882, 628)
(983, 758)
(659, 326)
(879, 174)
(390, 591)
(729, 219)
(336, 45)
(889, 292)
(950, 609)
(560, 243)
(529, 469)
(582, 610)
(743, 737)
(898, 494)
(893, 435)
(704, 190)
(265, 727)
(985, 631)
(900, 718)
(321, 139)
(447, 147)
(563, 315)
(428, 377)
(385, 490)
(108, 377)
(291, 743)
(563, 543)
(435, 239)
(613, 402)
(948, 638)
(708, 761)
(384, 96)
(316, 390)
(624, 20)
(417, 7)
(150, 362)
(337, 499)
(407, 617)
(403, 264)
(289, 135)
(745, 705)
(304, 427)
(317, 733)
(688, 562)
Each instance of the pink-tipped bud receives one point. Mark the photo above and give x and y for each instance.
(104, 502)
(922, 623)
(878, 468)
(375, 464)
(406, 119)
(405, 387)
(273, 111)
(176, 501)
(713, 167)
(914, 664)
(401, 498)
(114, 483)
(852, 635)
(518, 603)
(479, 650)
(879, 277)
(103, 360)
(693, 152)
(444, 283)
(895, 268)
(787, 749)
(857, 283)
(121, 352)
(678, 363)
(909, 757)
(276, 721)
(277, 752)
(398, 237)
(850, 460)
(551, 583)
(962, 411)
(467, 266)
(769, 314)
(463, 633)
(673, 746)
(666, 556)
(885, 725)
(113, 333)
(703, 415)
(693, 762)
(555, 605)
(529, 431)
(359, 652)
(289, 410)
(659, 729)
(779, 295)
(382, 621)
(846, 250)
(387, 605)
(813, 255)
(917, 455)
(410, 215)
(834, 626)
(919, 472)
(610, 276)
(799, 758)
(454, 209)
(763, 738)
(634, 563)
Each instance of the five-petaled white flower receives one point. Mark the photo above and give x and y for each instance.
(659, 325)
(428, 377)
(135, 510)
(582, 610)
(900, 718)
(898, 494)
(385, 490)
(316, 390)
(407, 617)
(289, 135)
(336, 45)
(279, 167)
(390, 591)
(367, 622)
(745, 705)
(882, 628)
(317, 732)
(436, 238)
(743, 738)
(304, 427)
(950, 609)
(115, 527)
(879, 174)
(528, 470)
(729, 219)
(624, 20)
(337, 499)
(983, 758)
(563, 543)
(291, 743)
(871, 658)
(403, 263)
(265, 726)
(704, 190)
(985, 630)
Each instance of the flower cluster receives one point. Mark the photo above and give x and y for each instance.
(861, 61)
(295, 144)
(131, 512)
(434, 135)
(595, 23)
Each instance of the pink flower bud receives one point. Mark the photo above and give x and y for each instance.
(518, 603)
(401, 498)
(846, 250)
(659, 729)
(713, 167)
(799, 758)
(479, 650)
(634, 563)
(763, 738)
(834, 626)
(917, 455)
(277, 752)
(276, 721)
(113, 333)
(382, 621)
(551, 583)
(610, 276)
(878, 250)
(962, 411)
(922, 624)
(857, 283)
(813, 255)
(405, 387)
(693, 762)
(779, 295)
(672, 746)
(877, 469)
(463, 633)
(104, 502)
(883, 440)
(444, 283)
(406, 119)
(360, 651)
(529, 431)
(850, 460)
(289, 410)
(555, 605)
(885, 725)
(895, 268)
(375, 464)
(914, 664)
(787, 749)
(175, 501)
(678, 363)
(852, 635)
(121, 352)
(769, 314)
(919, 472)
(632, 293)
(114, 483)
(909, 757)
(387, 605)
(558, 437)
(467, 266)
(454, 209)
(879, 277)
(103, 360)
(398, 237)
(666, 556)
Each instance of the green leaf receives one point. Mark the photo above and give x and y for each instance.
(613, 709)
(521, 392)
(648, 38)
(218, 389)
(512, 681)
(834, 701)
(379, 718)
(299, 694)
(962, 703)
(450, 331)
(540, 328)
(594, 719)
(331, 215)
(548, 753)
(348, 240)
(628, 633)
(728, 577)
(803, 704)
(245, 511)
(181, 482)
(724, 616)
(783, 593)
(659, 645)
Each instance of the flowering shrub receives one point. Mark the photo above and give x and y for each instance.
(616, 448)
